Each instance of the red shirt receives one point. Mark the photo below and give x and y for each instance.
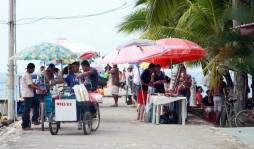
(199, 96)
(124, 75)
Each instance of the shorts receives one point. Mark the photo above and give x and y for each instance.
(218, 103)
(209, 110)
(114, 90)
(140, 99)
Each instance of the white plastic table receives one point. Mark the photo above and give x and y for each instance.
(159, 101)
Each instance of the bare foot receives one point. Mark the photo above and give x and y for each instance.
(137, 118)
(141, 120)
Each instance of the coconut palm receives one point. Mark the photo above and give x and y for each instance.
(206, 23)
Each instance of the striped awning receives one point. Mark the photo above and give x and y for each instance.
(246, 29)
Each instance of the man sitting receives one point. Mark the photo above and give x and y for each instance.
(208, 104)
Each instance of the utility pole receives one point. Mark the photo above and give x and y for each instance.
(11, 62)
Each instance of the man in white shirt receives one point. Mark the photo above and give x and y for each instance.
(136, 79)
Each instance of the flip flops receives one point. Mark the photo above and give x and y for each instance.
(113, 106)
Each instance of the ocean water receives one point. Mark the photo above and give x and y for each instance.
(2, 84)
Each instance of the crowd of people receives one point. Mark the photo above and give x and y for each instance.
(134, 81)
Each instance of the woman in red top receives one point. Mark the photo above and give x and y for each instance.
(199, 97)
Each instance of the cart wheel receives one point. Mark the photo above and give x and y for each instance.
(96, 119)
(53, 126)
(87, 124)
(59, 125)
(42, 116)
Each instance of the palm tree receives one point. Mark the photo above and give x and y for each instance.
(203, 22)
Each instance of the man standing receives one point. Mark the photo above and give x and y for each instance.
(90, 76)
(218, 98)
(27, 87)
(115, 84)
(71, 79)
(145, 82)
(39, 72)
(136, 80)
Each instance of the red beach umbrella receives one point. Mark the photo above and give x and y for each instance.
(181, 51)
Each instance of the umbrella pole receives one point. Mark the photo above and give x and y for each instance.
(62, 68)
(141, 88)
(44, 73)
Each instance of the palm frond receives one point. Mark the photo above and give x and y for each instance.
(135, 22)
(240, 12)
(159, 10)
(139, 2)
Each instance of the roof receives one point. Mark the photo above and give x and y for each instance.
(246, 29)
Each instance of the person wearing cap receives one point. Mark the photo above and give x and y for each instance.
(129, 82)
(39, 72)
(115, 84)
(199, 96)
(27, 91)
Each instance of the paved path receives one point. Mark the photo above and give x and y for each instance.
(119, 129)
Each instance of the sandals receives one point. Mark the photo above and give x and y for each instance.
(36, 123)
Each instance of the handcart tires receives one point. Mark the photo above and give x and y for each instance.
(87, 124)
(42, 115)
(53, 126)
(96, 119)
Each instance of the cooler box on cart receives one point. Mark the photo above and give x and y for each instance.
(69, 109)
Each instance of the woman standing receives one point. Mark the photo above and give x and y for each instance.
(158, 79)
(184, 85)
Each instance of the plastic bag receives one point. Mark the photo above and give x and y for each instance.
(96, 97)
(81, 93)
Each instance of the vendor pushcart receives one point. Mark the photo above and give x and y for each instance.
(74, 108)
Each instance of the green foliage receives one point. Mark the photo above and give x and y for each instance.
(205, 22)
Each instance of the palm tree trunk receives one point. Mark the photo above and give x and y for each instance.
(239, 78)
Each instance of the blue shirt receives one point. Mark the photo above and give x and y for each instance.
(72, 79)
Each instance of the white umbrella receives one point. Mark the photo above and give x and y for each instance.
(76, 48)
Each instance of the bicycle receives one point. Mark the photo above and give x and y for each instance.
(227, 113)
(245, 118)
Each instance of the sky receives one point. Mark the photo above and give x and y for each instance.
(97, 32)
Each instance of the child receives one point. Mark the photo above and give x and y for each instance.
(167, 84)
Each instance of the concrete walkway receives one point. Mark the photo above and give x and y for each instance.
(119, 129)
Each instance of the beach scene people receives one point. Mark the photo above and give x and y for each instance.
(114, 70)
